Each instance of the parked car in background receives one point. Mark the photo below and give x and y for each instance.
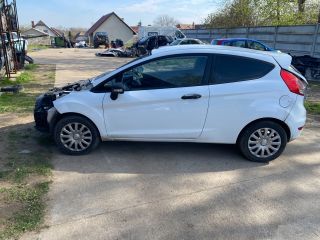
(148, 31)
(192, 93)
(100, 38)
(242, 42)
(186, 41)
(147, 44)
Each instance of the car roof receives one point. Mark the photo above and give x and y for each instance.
(180, 49)
(233, 39)
(189, 39)
(277, 58)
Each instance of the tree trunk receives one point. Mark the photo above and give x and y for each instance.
(301, 5)
(319, 16)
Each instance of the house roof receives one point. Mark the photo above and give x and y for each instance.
(135, 28)
(39, 33)
(185, 26)
(57, 32)
(102, 20)
(41, 23)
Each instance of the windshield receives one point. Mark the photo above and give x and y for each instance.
(176, 42)
(179, 34)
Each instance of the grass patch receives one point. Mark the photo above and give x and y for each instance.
(31, 214)
(27, 181)
(19, 103)
(313, 107)
(30, 67)
(25, 167)
(23, 102)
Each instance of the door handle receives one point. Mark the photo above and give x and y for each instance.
(191, 96)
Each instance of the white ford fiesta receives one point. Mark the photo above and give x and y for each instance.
(194, 93)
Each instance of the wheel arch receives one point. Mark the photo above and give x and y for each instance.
(281, 123)
(60, 116)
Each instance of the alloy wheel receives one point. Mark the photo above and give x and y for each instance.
(76, 136)
(264, 142)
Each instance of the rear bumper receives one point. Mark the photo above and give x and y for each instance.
(296, 119)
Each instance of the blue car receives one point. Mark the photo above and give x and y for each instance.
(242, 42)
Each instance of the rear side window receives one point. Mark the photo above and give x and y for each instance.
(228, 69)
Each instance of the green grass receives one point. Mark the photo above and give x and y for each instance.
(23, 78)
(18, 103)
(30, 216)
(313, 107)
(25, 174)
(22, 102)
(19, 168)
(30, 67)
(23, 165)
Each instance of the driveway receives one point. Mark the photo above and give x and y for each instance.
(131, 190)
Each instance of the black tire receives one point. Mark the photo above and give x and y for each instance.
(279, 143)
(29, 59)
(80, 121)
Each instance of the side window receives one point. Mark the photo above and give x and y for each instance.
(184, 42)
(256, 46)
(239, 43)
(185, 71)
(227, 43)
(229, 69)
(162, 41)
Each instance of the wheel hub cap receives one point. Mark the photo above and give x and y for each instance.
(264, 142)
(76, 136)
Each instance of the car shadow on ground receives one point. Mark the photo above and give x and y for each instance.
(156, 158)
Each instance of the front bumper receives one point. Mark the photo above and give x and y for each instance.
(44, 114)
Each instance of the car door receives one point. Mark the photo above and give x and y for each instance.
(165, 98)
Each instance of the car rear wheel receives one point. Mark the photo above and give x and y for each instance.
(263, 141)
(76, 135)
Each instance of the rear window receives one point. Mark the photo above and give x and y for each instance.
(230, 69)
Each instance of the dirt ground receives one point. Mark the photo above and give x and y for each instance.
(77, 64)
(24, 156)
(127, 190)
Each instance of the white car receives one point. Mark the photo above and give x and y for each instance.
(192, 93)
(186, 41)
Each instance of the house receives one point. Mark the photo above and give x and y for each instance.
(36, 37)
(114, 26)
(44, 28)
(185, 26)
(41, 34)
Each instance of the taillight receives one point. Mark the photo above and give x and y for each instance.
(293, 82)
(219, 42)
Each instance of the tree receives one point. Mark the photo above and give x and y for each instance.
(301, 5)
(236, 13)
(165, 21)
(239, 13)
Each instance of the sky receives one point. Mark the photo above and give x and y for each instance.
(83, 13)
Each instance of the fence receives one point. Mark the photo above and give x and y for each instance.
(296, 40)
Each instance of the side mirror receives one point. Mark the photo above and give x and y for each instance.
(116, 89)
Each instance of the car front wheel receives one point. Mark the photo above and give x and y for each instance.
(76, 135)
(263, 141)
